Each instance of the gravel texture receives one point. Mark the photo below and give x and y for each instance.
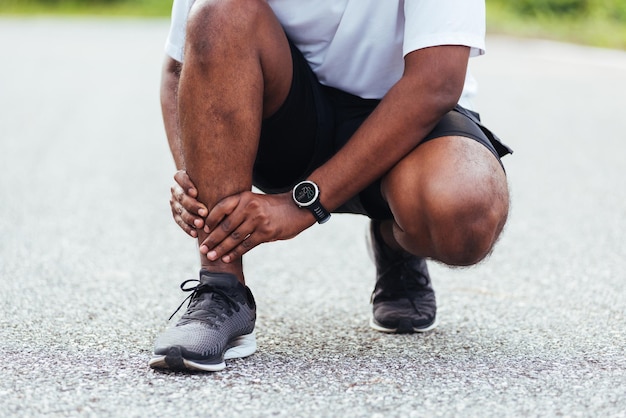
(90, 261)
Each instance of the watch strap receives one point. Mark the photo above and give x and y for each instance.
(320, 212)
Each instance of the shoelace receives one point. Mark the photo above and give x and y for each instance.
(413, 276)
(407, 276)
(408, 281)
(215, 309)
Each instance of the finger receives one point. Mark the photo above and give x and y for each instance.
(192, 206)
(195, 222)
(189, 202)
(229, 232)
(224, 237)
(182, 178)
(188, 222)
(185, 226)
(231, 243)
(221, 210)
(189, 218)
(245, 246)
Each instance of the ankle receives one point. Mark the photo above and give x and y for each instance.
(235, 268)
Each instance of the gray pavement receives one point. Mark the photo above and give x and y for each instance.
(90, 261)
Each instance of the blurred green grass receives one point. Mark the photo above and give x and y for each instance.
(592, 22)
(599, 23)
(113, 8)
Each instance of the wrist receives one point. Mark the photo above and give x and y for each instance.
(306, 195)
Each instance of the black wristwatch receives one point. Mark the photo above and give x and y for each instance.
(306, 194)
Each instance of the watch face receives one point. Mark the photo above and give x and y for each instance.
(305, 193)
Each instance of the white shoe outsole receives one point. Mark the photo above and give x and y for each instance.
(242, 346)
(376, 326)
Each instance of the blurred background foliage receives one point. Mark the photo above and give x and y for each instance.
(612, 9)
(132, 8)
(593, 22)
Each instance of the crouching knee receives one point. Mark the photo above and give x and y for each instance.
(463, 234)
(212, 22)
(465, 246)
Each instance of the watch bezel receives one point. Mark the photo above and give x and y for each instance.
(313, 199)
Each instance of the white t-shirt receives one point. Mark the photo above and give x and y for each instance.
(358, 45)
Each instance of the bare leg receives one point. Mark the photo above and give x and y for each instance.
(450, 201)
(237, 70)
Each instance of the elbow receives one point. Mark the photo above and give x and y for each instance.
(429, 99)
(437, 76)
(445, 94)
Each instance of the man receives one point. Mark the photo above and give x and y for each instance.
(326, 106)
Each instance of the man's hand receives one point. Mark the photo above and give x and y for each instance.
(240, 222)
(188, 213)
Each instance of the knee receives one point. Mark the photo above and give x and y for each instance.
(450, 200)
(456, 227)
(465, 226)
(211, 22)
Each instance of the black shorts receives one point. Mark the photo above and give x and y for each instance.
(316, 121)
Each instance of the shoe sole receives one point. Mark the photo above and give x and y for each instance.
(402, 328)
(242, 346)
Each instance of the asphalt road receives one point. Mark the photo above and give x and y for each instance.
(90, 261)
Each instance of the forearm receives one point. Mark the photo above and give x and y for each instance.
(400, 122)
(170, 77)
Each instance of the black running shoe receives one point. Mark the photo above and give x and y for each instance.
(403, 298)
(218, 325)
